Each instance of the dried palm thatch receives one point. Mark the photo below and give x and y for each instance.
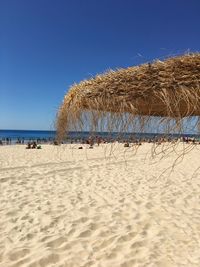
(120, 100)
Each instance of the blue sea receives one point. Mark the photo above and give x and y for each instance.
(30, 135)
(14, 135)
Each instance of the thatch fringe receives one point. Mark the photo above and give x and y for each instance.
(130, 99)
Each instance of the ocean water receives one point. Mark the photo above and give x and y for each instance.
(26, 134)
(14, 135)
(29, 135)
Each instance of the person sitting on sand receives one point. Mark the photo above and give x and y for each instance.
(87, 142)
(193, 141)
(34, 145)
(126, 144)
(28, 145)
(55, 142)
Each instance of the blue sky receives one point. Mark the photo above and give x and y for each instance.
(47, 45)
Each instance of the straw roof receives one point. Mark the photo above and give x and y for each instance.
(169, 89)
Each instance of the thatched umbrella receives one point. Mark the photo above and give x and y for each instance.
(167, 89)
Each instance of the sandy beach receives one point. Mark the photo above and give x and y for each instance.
(106, 207)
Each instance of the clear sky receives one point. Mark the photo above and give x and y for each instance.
(47, 45)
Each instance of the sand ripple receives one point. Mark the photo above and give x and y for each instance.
(65, 207)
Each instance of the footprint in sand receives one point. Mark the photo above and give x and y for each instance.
(127, 237)
(85, 234)
(21, 253)
(50, 260)
(56, 243)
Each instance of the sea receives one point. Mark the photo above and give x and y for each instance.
(48, 136)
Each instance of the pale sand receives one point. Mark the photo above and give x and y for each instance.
(67, 207)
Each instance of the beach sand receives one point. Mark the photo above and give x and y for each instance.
(106, 207)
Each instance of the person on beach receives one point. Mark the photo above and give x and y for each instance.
(34, 145)
(91, 142)
(98, 140)
(28, 145)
